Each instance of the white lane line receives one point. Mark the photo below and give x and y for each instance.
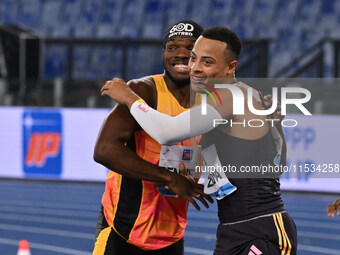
(302, 208)
(201, 235)
(43, 195)
(67, 198)
(295, 215)
(202, 224)
(37, 203)
(47, 231)
(309, 198)
(50, 231)
(318, 235)
(46, 211)
(52, 192)
(299, 223)
(187, 234)
(193, 250)
(49, 220)
(309, 215)
(212, 208)
(316, 224)
(301, 247)
(48, 186)
(203, 215)
(45, 247)
(192, 234)
(317, 249)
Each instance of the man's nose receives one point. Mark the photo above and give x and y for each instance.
(183, 53)
(195, 67)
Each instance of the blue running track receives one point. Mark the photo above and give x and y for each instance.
(60, 218)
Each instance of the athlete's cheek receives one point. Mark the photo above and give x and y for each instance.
(190, 64)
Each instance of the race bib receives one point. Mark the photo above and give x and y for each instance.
(172, 156)
(216, 181)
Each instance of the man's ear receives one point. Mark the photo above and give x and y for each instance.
(232, 66)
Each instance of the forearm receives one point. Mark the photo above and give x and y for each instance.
(170, 130)
(124, 161)
(131, 98)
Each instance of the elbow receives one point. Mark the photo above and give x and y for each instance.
(169, 142)
(162, 141)
(166, 140)
(97, 156)
(100, 154)
(165, 137)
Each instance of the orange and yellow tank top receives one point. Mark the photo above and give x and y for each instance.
(134, 208)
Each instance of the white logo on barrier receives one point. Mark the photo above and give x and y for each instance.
(182, 27)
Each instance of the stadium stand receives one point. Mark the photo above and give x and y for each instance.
(296, 30)
(292, 25)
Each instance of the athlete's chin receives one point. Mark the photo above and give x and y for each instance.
(180, 75)
(178, 78)
(196, 88)
(182, 82)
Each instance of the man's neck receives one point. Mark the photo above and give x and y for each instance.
(180, 92)
(231, 78)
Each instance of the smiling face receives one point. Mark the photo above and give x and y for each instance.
(209, 59)
(176, 56)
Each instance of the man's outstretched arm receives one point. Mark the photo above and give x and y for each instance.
(163, 128)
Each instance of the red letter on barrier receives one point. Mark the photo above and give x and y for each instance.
(32, 148)
(42, 146)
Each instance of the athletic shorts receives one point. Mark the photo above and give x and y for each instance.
(265, 235)
(108, 242)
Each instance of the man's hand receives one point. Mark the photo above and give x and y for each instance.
(185, 187)
(119, 91)
(331, 208)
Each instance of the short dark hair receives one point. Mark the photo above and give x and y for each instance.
(226, 35)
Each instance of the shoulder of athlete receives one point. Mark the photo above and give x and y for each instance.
(120, 119)
(145, 88)
(222, 102)
(226, 98)
(256, 94)
(242, 86)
